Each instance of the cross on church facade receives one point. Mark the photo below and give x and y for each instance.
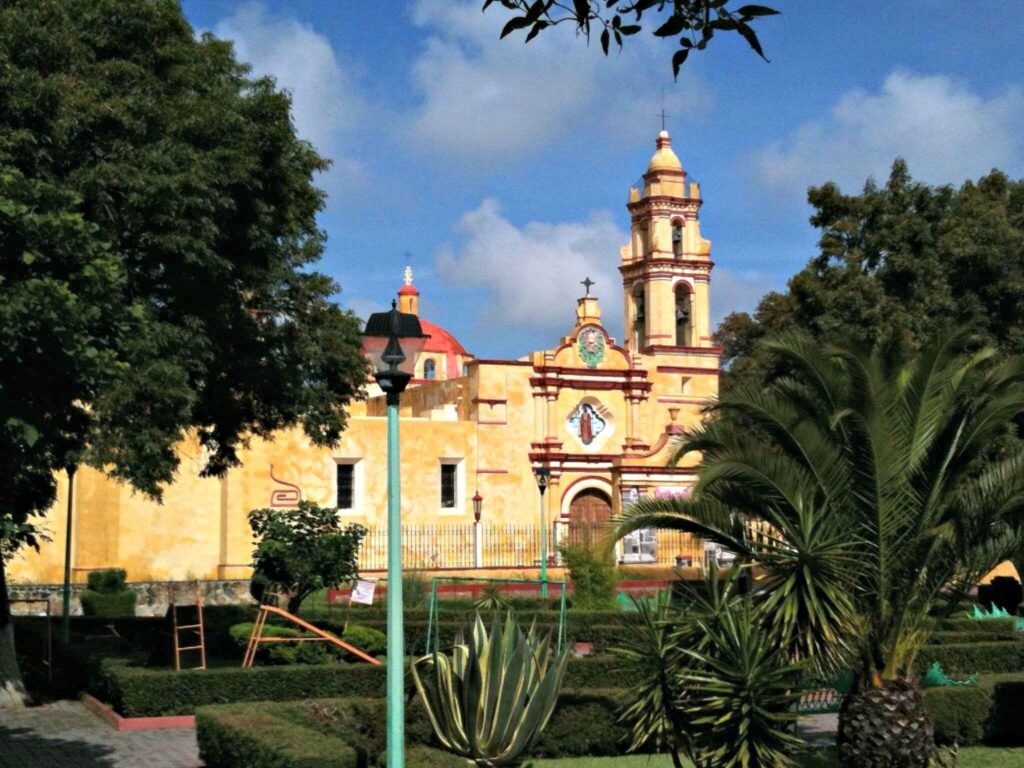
(586, 284)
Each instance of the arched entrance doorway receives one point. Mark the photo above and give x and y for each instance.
(590, 508)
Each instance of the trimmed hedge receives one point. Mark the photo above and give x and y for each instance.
(944, 638)
(968, 658)
(142, 692)
(988, 712)
(976, 625)
(290, 735)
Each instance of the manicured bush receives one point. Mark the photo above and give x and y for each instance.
(253, 737)
(366, 639)
(585, 723)
(106, 596)
(140, 692)
(593, 574)
(964, 624)
(969, 714)
(108, 606)
(959, 713)
(968, 658)
(944, 638)
(338, 732)
(107, 581)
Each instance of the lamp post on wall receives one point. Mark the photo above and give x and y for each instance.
(393, 340)
(478, 534)
(542, 473)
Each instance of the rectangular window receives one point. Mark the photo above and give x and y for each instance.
(449, 485)
(346, 486)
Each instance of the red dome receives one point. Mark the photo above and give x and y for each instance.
(408, 290)
(440, 340)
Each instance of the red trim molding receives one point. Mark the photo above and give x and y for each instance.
(492, 471)
(105, 713)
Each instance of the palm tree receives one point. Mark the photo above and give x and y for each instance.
(875, 476)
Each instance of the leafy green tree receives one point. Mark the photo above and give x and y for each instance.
(694, 22)
(303, 550)
(157, 231)
(902, 258)
(853, 483)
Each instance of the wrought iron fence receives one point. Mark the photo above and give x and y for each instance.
(519, 546)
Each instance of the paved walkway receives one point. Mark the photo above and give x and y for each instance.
(67, 735)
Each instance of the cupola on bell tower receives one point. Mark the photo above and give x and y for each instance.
(667, 264)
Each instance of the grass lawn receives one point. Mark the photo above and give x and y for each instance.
(970, 757)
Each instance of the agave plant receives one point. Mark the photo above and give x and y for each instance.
(489, 699)
(875, 476)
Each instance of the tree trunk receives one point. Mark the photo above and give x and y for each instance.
(12, 688)
(886, 727)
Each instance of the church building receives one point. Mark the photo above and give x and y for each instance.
(598, 410)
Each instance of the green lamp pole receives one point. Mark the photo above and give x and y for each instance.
(65, 613)
(542, 473)
(383, 341)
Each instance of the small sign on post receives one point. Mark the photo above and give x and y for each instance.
(362, 591)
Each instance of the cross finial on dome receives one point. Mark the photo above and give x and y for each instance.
(408, 275)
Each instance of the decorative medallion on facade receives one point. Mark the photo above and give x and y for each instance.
(585, 423)
(590, 345)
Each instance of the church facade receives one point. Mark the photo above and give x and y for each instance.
(598, 410)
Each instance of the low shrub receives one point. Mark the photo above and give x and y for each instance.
(253, 737)
(106, 596)
(968, 658)
(593, 574)
(350, 733)
(367, 639)
(964, 624)
(141, 692)
(108, 606)
(944, 638)
(989, 712)
(585, 723)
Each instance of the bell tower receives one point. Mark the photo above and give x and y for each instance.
(667, 264)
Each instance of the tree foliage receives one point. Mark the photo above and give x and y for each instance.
(157, 231)
(693, 22)
(901, 258)
(852, 481)
(304, 550)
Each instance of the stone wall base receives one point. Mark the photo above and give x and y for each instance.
(152, 596)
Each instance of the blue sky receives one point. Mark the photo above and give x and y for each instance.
(502, 169)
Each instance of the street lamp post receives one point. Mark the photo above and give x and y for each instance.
(393, 341)
(542, 474)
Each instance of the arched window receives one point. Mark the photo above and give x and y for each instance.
(684, 313)
(677, 239)
(639, 317)
(429, 370)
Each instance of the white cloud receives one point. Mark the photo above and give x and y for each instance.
(946, 133)
(533, 273)
(485, 100)
(327, 105)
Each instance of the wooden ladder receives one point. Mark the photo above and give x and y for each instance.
(197, 629)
